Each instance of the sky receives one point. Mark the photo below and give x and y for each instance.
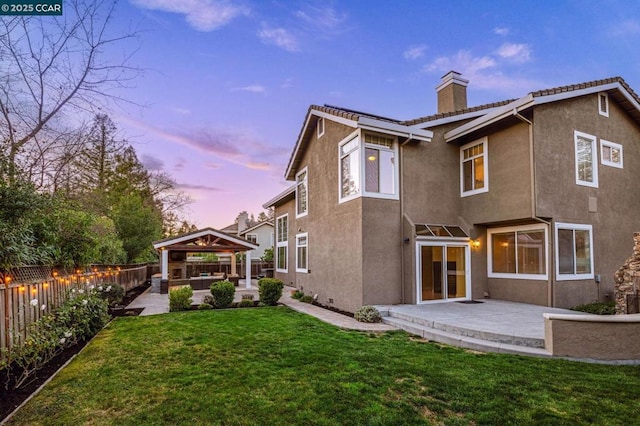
(226, 84)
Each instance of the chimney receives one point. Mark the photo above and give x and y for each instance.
(452, 92)
(243, 217)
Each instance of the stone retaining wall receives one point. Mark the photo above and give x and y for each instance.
(627, 281)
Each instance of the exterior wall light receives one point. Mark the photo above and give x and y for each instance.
(475, 244)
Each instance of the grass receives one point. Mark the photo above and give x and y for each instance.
(276, 366)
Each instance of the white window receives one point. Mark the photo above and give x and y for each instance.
(350, 169)
(302, 196)
(518, 252)
(574, 255)
(380, 165)
(610, 153)
(282, 243)
(474, 176)
(603, 104)
(302, 254)
(368, 158)
(586, 159)
(320, 126)
(252, 237)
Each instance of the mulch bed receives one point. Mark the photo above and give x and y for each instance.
(10, 399)
(334, 309)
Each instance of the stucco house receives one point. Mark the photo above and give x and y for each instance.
(529, 200)
(260, 233)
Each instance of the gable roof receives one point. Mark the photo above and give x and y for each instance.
(350, 118)
(267, 222)
(616, 87)
(281, 197)
(214, 239)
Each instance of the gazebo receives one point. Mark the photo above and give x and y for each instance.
(208, 240)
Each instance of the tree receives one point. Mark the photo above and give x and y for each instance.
(55, 65)
(137, 224)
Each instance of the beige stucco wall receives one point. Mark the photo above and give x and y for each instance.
(288, 278)
(596, 339)
(560, 198)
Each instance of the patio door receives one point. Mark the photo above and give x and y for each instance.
(443, 272)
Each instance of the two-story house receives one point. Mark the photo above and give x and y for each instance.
(530, 200)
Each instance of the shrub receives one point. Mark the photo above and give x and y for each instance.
(297, 294)
(83, 312)
(113, 293)
(208, 299)
(306, 299)
(245, 303)
(598, 308)
(368, 313)
(222, 293)
(270, 290)
(204, 306)
(180, 299)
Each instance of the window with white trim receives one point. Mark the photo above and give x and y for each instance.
(574, 255)
(380, 164)
(320, 126)
(282, 243)
(611, 154)
(474, 178)
(603, 104)
(370, 159)
(251, 237)
(350, 169)
(518, 252)
(302, 253)
(302, 196)
(586, 158)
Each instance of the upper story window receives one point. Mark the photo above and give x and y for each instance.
(252, 237)
(574, 259)
(611, 154)
(320, 126)
(474, 177)
(586, 159)
(302, 196)
(368, 158)
(603, 104)
(282, 243)
(518, 252)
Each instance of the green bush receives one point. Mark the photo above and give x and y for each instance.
(270, 290)
(222, 293)
(245, 303)
(180, 299)
(297, 295)
(306, 299)
(204, 306)
(113, 293)
(368, 313)
(598, 308)
(208, 299)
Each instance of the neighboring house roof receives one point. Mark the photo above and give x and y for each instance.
(616, 87)
(351, 118)
(281, 197)
(267, 222)
(231, 229)
(213, 237)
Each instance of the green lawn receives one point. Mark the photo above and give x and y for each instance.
(276, 366)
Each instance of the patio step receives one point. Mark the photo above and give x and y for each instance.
(462, 341)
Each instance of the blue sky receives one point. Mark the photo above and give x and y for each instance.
(226, 84)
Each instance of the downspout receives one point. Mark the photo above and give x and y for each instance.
(401, 189)
(532, 177)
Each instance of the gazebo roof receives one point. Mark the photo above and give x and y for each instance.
(205, 240)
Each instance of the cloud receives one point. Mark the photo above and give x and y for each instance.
(501, 31)
(180, 164)
(180, 111)
(324, 20)
(151, 163)
(483, 72)
(211, 165)
(202, 15)
(190, 186)
(516, 53)
(414, 52)
(629, 27)
(254, 88)
(279, 37)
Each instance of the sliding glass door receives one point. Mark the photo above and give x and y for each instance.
(443, 271)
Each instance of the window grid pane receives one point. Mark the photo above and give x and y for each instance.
(582, 251)
(584, 148)
(503, 253)
(531, 252)
(371, 170)
(566, 264)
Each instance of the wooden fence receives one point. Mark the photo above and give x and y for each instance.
(27, 295)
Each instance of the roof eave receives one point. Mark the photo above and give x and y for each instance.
(281, 196)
